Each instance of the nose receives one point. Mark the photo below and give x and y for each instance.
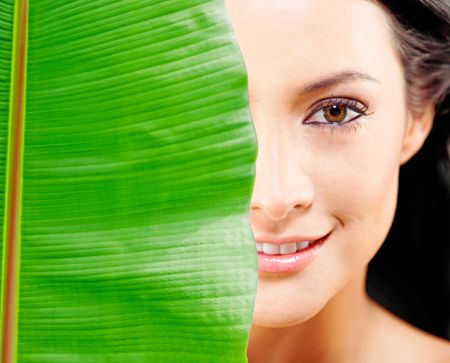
(282, 184)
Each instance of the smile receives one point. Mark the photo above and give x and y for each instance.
(283, 249)
(288, 255)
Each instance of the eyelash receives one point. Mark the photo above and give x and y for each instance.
(348, 126)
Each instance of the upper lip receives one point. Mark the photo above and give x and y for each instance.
(289, 239)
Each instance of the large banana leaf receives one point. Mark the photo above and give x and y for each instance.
(136, 164)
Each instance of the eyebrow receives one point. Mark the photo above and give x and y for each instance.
(342, 77)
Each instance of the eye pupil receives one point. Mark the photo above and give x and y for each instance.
(335, 113)
(335, 110)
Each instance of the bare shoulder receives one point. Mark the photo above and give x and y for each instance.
(406, 343)
(431, 348)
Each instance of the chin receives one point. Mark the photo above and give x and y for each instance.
(273, 321)
(282, 315)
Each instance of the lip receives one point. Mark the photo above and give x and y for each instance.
(292, 262)
(288, 239)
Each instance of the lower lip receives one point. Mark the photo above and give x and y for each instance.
(292, 262)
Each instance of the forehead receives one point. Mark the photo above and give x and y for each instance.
(300, 40)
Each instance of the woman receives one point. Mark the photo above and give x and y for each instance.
(342, 94)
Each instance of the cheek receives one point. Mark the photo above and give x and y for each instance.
(357, 184)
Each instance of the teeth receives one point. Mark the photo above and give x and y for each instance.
(286, 248)
(271, 249)
(283, 249)
(302, 245)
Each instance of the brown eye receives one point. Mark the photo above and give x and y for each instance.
(335, 113)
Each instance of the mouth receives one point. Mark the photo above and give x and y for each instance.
(289, 255)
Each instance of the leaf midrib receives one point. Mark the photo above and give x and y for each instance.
(13, 185)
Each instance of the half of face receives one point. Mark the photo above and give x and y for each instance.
(327, 97)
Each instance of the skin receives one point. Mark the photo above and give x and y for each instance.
(313, 179)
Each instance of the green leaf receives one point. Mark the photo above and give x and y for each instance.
(6, 25)
(137, 168)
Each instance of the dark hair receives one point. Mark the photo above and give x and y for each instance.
(410, 274)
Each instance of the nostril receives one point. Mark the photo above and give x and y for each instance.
(276, 209)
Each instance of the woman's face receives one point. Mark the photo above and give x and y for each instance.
(327, 98)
